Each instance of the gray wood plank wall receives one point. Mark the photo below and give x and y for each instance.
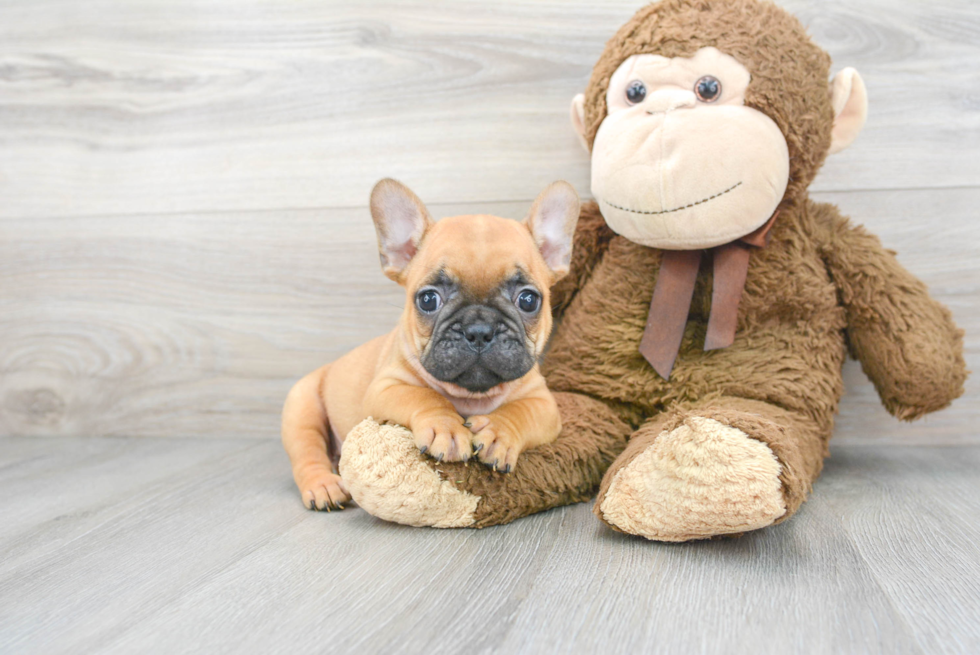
(183, 184)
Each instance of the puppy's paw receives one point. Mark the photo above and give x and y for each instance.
(443, 437)
(324, 490)
(496, 444)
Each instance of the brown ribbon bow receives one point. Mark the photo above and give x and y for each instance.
(671, 302)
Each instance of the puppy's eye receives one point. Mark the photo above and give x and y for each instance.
(528, 301)
(428, 301)
(707, 89)
(636, 92)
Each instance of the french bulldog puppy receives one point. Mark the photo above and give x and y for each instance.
(460, 369)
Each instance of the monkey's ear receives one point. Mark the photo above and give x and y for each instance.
(850, 101)
(577, 114)
(401, 221)
(552, 221)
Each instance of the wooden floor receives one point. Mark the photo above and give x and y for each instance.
(116, 545)
(184, 233)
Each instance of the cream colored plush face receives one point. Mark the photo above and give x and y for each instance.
(674, 171)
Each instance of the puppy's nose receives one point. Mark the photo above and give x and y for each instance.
(479, 336)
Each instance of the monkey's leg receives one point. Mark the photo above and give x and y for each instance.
(720, 466)
(388, 477)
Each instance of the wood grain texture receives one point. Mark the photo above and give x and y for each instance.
(118, 107)
(214, 553)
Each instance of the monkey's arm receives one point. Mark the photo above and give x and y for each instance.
(592, 237)
(905, 340)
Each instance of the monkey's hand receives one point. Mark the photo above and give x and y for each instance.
(905, 340)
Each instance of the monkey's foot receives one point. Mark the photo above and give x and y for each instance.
(699, 480)
(389, 478)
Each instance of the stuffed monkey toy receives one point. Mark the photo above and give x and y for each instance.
(701, 332)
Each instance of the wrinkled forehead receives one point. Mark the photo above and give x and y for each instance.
(680, 71)
(481, 253)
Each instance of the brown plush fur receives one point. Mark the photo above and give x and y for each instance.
(821, 288)
(907, 343)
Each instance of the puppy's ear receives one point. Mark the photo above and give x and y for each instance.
(577, 113)
(552, 221)
(401, 221)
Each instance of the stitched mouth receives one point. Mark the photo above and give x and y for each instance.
(675, 209)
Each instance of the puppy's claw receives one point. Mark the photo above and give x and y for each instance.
(424, 449)
(467, 424)
(477, 448)
(439, 457)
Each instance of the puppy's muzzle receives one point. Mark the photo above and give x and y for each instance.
(477, 348)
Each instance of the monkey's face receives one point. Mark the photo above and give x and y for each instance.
(680, 162)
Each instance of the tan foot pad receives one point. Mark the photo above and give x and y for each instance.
(702, 479)
(387, 476)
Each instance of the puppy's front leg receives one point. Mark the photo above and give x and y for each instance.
(437, 426)
(502, 435)
(304, 435)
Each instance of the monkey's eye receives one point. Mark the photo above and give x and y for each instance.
(707, 89)
(528, 301)
(428, 300)
(636, 92)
